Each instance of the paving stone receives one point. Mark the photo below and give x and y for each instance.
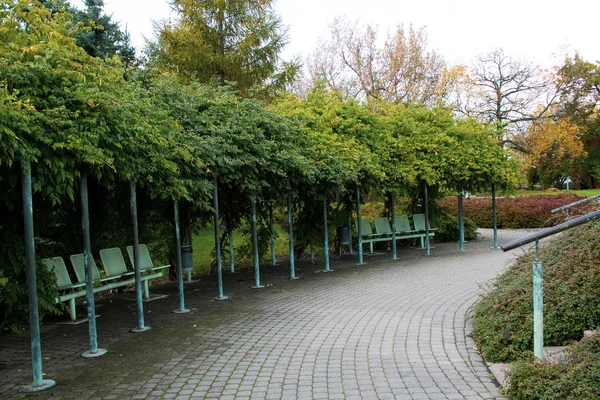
(387, 329)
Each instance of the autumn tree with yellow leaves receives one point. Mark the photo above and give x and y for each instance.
(555, 150)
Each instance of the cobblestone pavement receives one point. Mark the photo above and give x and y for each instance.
(386, 329)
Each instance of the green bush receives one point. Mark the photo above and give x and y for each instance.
(516, 212)
(575, 377)
(504, 316)
(448, 229)
(14, 308)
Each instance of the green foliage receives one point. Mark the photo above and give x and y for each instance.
(504, 315)
(231, 41)
(70, 114)
(575, 377)
(103, 38)
(13, 287)
(580, 98)
(429, 145)
(448, 229)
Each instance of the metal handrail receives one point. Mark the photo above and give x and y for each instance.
(575, 203)
(538, 302)
(550, 231)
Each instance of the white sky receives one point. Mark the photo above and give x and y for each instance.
(537, 30)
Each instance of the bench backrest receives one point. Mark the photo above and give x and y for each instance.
(57, 265)
(365, 227)
(402, 223)
(382, 226)
(419, 220)
(113, 261)
(145, 260)
(79, 267)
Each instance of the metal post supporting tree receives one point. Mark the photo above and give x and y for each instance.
(273, 260)
(291, 238)
(220, 295)
(181, 309)
(325, 237)
(231, 251)
(358, 228)
(257, 284)
(426, 206)
(461, 224)
(39, 384)
(94, 351)
(136, 262)
(494, 216)
(393, 212)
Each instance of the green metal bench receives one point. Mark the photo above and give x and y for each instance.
(114, 265)
(147, 266)
(117, 274)
(68, 291)
(403, 231)
(419, 221)
(369, 237)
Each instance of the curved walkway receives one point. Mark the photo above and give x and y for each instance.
(384, 330)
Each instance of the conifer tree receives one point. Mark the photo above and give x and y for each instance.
(105, 38)
(232, 41)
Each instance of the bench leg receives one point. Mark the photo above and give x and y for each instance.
(73, 315)
(72, 310)
(146, 290)
(151, 297)
(371, 247)
(422, 238)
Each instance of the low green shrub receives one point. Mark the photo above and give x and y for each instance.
(14, 306)
(504, 315)
(516, 212)
(576, 377)
(448, 229)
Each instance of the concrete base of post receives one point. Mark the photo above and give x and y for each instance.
(181, 311)
(97, 353)
(257, 287)
(220, 298)
(140, 330)
(46, 384)
(327, 270)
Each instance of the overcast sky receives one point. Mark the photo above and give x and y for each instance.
(537, 30)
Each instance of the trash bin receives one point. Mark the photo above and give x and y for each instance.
(187, 262)
(343, 233)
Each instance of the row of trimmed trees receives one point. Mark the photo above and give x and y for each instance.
(67, 113)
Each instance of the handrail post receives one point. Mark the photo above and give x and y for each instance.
(538, 306)
(538, 296)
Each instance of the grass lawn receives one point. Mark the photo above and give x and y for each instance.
(204, 244)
